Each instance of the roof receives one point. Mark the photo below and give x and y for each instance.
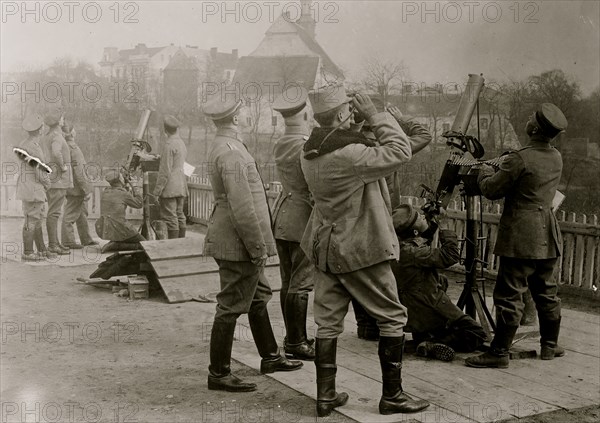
(277, 71)
(181, 61)
(150, 51)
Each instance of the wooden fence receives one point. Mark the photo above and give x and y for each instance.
(579, 265)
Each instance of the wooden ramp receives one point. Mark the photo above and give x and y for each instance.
(458, 393)
(178, 264)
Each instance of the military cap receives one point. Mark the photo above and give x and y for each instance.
(33, 122)
(550, 119)
(291, 99)
(404, 216)
(218, 108)
(53, 116)
(328, 97)
(171, 121)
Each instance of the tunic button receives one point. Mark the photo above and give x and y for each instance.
(339, 267)
(540, 207)
(258, 247)
(545, 243)
(282, 211)
(289, 194)
(333, 226)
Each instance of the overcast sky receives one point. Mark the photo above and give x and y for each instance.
(439, 41)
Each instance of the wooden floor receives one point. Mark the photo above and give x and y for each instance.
(458, 393)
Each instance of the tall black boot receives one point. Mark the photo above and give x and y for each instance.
(172, 234)
(549, 330)
(497, 356)
(220, 377)
(296, 344)
(28, 254)
(181, 233)
(327, 397)
(272, 361)
(366, 326)
(394, 400)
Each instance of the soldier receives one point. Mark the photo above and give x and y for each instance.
(438, 326)
(290, 215)
(58, 155)
(240, 240)
(419, 138)
(77, 197)
(350, 238)
(171, 184)
(112, 224)
(529, 240)
(31, 190)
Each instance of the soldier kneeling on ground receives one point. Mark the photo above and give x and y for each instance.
(112, 224)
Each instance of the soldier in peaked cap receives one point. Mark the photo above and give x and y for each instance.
(240, 240)
(290, 215)
(31, 190)
(529, 239)
(350, 238)
(171, 183)
(58, 154)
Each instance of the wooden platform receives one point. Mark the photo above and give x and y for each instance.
(457, 393)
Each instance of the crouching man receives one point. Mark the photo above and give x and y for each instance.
(438, 326)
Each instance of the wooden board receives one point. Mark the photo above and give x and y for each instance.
(166, 249)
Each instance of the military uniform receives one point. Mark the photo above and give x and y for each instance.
(239, 231)
(58, 155)
(112, 224)
(171, 184)
(76, 208)
(290, 215)
(31, 190)
(529, 240)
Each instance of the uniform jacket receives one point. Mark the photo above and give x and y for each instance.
(33, 182)
(112, 224)
(527, 180)
(419, 138)
(240, 224)
(81, 185)
(171, 181)
(293, 206)
(420, 287)
(58, 155)
(350, 227)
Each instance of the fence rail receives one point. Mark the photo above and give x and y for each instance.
(579, 266)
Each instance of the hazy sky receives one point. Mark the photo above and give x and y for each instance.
(439, 41)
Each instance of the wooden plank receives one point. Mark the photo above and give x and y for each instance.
(579, 256)
(568, 243)
(590, 253)
(184, 266)
(164, 249)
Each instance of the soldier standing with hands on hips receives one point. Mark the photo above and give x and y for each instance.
(290, 215)
(529, 238)
(240, 240)
(171, 184)
(350, 238)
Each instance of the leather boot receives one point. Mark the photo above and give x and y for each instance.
(530, 312)
(497, 356)
(220, 377)
(394, 400)
(296, 345)
(181, 233)
(41, 246)
(549, 330)
(366, 325)
(435, 350)
(51, 226)
(327, 397)
(272, 361)
(28, 233)
(172, 234)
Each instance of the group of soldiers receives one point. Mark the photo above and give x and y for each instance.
(340, 230)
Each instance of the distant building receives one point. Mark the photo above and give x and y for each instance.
(145, 66)
(288, 54)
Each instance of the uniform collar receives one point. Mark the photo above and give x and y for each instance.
(229, 133)
(538, 141)
(296, 130)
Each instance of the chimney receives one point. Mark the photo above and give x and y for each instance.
(234, 53)
(213, 53)
(306, 19)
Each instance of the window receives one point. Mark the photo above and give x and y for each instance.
(484, 123)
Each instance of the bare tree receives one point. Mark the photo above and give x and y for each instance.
(384, 77)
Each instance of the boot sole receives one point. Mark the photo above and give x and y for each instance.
(477, 366)
(212, 387)
(268, 372)
(341, 400)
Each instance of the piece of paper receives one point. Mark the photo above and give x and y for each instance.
(188, 169)
(559, 197)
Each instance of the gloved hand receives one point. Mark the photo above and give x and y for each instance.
(364, 105)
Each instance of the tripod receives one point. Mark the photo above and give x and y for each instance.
(471, 299)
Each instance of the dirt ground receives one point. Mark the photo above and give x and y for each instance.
(75, 353)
